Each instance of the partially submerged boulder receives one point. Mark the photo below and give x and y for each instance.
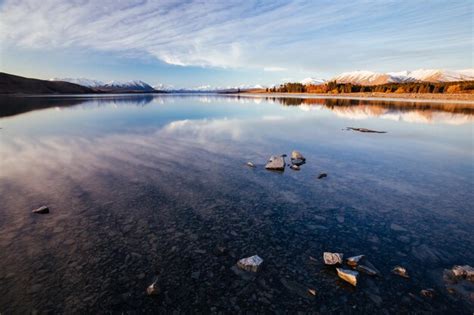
(41, 210)
(276, 163)
(252, 263)
(296, 155)
(322, 175)
(250, 164)
(297, 158)
(400, 271)
(348, 275)
(332, 258)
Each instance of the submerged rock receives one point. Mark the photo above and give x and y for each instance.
(400, 271)
(252, 263)
(295, 167)
(354, 260)
(348, 275)
(276, 163)
(250, 164)
(153, 289)
(368, 268)
(460, 272)
(427, 293)
(322, 175)
(41, 210)
(332, 258)
(298, 288)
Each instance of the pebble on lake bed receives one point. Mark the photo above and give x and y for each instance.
(428, 293)
(348, 275)
(153, 289)
(41, 210)
(400, 271)
(332, 258)
(252, 263)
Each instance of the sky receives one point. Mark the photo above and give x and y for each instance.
(230, 43)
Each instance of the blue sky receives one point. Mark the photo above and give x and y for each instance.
(228, 43)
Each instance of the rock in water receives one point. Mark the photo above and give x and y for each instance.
(354, 260)
(276, 163)
(297, 158)
(295, 167)
(428, 293)
(153, 289)
(461, 272)
(348, 275)
(365, 130)
(252, 263)
(402, 272)
(368, 270)
(41, 210)
(332, 258)
(250, 164)
(296, 155)
(322, 175)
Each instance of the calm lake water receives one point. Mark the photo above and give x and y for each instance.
(145, 187)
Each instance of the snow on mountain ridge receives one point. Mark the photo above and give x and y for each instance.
(426, 75)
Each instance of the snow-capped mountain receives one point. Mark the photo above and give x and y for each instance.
(163, 87)
(426, 75)
(313, 81)
(81, 81)
(136, 85)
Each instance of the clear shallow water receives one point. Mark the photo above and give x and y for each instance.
(140, 186)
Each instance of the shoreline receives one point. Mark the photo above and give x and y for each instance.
(412, 97)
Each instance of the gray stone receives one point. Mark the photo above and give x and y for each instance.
(347, 275)
(332, 258)
(322, 175)
(252, 263)
(250, 164)
(276, 163)
(41, 210)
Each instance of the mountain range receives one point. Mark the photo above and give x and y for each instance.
(355, 77)
(421, 75)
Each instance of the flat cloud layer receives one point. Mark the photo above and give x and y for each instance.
(268, 35)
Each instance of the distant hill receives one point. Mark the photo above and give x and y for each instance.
(13, 84)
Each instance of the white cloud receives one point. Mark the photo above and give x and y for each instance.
(255, 34)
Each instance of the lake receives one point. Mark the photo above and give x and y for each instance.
(156, 187)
